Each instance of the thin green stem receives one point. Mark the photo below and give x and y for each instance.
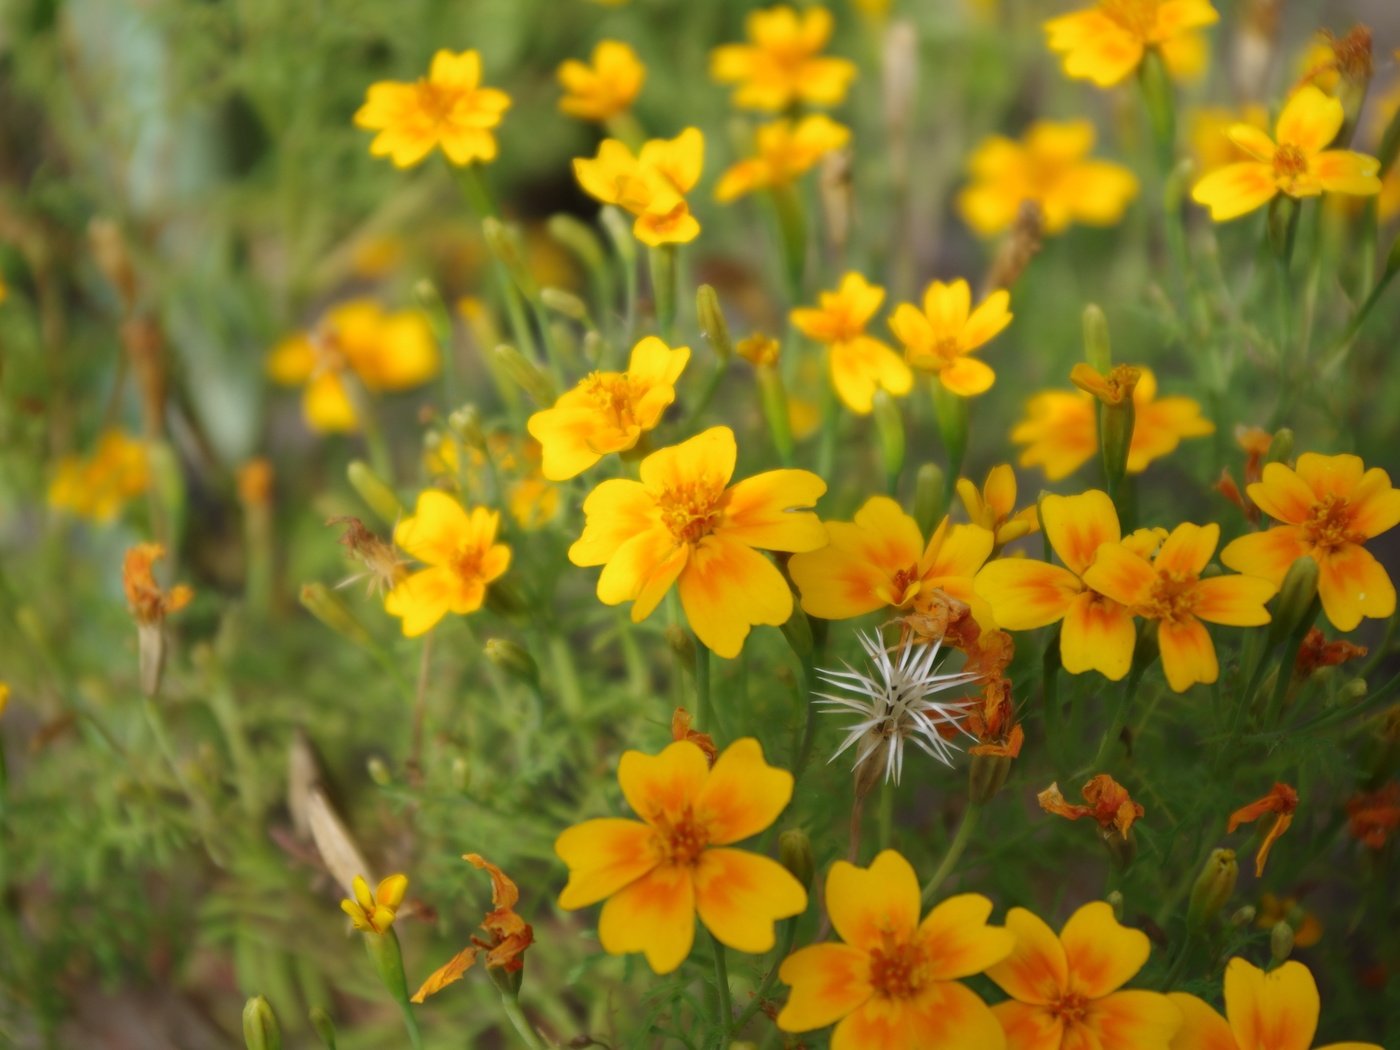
(726, 1009)
(1115, 727)
(769, 979)
(521, 1023)
(954, 852)
(702, 684)
(884, 816)
(415, 1036)
(662, 260)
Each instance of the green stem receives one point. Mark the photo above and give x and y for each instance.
(1120, 714)
(954, 852)
(702, 684)
(769, 979)
(204, 818)
(521, 1023)
(726, 1009)
(884, 816)
(792, 232)
(662, 260)
(1284, 677)
(831, 418)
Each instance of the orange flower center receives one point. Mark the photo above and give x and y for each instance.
(1329, 526)
(946, 348)
(682, 840)
(1138, 17)
(612, 394)
(435, 102)
(1070, 1007)
(898, 969)
(691, 511)
(465, 562)
(1173, 596)
(900, 584)
(1290, 162)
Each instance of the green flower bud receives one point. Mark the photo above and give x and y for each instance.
(378, 496)
(1281, 942)
(328, 607)
(578, 237)
(1115, 901)
(325, 1027)
(378, 771)
(889, 428)
(798, 632)
(985, 776)
(619, 230)
(795, 853)
(930, 497)
(712, 322)
(524, 374)
(1213, 888)
(1244, 916)
(566, 304)
(1281, 447)
(682, 643)
(505, 246)
(383, 948)
(1097, 349)
(1296, 607)
(260, 1028)
(1122, 850)
(512, 658)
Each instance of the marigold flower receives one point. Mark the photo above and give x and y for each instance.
(1272, 910)
(782, 64)
(1209, 136)
(1265, 1011)
(1373, 817)
(448, 108)
(148, 603)
(650, 185)
(994, 506)
(1109, 805)
(510, 935)
(859, 364)
(531, 500)
(1051, 167)
(1107, 42)
(608, 411)
(1065, 990)
(1060, 430)
(786, 151)
(657, 874)
(1169, 589)
(684, 524)
(880, 560)
(1329, 506)
(384, 351)
(939, 338)
(98, 487)
(1298, 164)
(895, 982)
(1281, 801)
(374, 911)
(603, 87)
(460, 549)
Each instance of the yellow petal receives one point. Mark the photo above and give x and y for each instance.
(1026, 594)
(615, 511)
(1188, 549)
(663, 787)
(1000, 488)
(948, 307)
(958, 940)
(1283, 495)
(708, 459)
(436, 529)
(947, 1015)
(957, 551)
(1102, 954)
(1346, 171)
(1268, 554)
(603, 856)
(1202, 1028)
(1330, 475)
(1277, 1010)
(654, 915)
(1134, 1021)
(1310, 120)
(828, 982)
(865, 904)
(1374, 504)
(1036, 971)
(740, 895)
(1236, 601)
(1353, 584)
(1236, 190)
(1077, 526)
(1097, 635)
(1121, 574)
(1188, 655)
(769, 511)
(1029, 1027)
(726, 588)
(967, 377)
(743, 794)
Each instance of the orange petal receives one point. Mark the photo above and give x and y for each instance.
(1375, 504)
(946, 1015)
(1202, 1028)
(1120, 574)
(742, 795)
(828, 982)
(956, 551)
(663, 787)
(1236, 601)
(1353, 584)
(1026, 594)
(1103, 955)
(1077, 526)
(1134, 1021)
(1030, 1027)
(726, 588)
(603, 856)
(740, 895)
(1278, 1009)
(958, 940)
(1097, 635)
(866, 903)
(877, 1024)
(1269, 554)
(1188, 655)
(654, 915)
(1283, 495)
(770, 511)
(1188, 549)
(1036, 971)
(1346, 171)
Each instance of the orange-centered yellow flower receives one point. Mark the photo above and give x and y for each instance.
(1097, 632)
(447, 108)
(1277, 1010)
(650, 185)
(1107, 42)
(859, 363)
(1060, 430)
(603, 87)
(1329, 506)
(1050, 167)
(608, 411)
(786, 151)
(1169, 590)
(98, 487)
(1298, 163)
(994, 506)
(880, 560)
(894, 983)
(1065, 990)
(782, 64)
(374, 911)
(462, 557)
(939, 338)
(684, 524)
(658, 873)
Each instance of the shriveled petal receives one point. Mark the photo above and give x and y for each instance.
(1134, 1020)
(1097, 635)
(1077, 526)
(828, 982)
(740, 895)
(958, 940)
(865, 904)
(1353, 584)
(1121, 574)
(1188, 549)
(1236, 189)
(1103, 954)
(967, 377)
(1310, 120)
(726, 588)
(664, 786)
(654, 915)
(1236, 601)
(1037, 970)
(1026, 594)
(1188, 654)
(743, 794)
(1268, 554)
(772, 511)
(1029, 1027)
(1201, 1027)
(1277, 1010)
(603, 856)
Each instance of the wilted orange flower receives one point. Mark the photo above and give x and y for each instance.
(859, 364)
(680, 730)
(895, 982)
(1256, 443)
(448, 108)
(374, 911)
(940, 338)
(1307, 930)
(510, 935)
(1051, 167)
(98, 487)
(991, 716)
(1106, 43)
(657, 874)
(1281, 801)
(1374, 816)
(148, 603)
(650, 185)
(1316, 652)
(994, 506)
(1108, 803)
(782, 64)
(605, 86)
(786, 150)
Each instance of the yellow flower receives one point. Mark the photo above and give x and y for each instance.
(447, 108)
(608, 411)
(1066, 990)
(650, 185)
(760, 350)
(895, 982)
(99, 487)
(1060, 430)
(604, 87)
(374, 911)
(859, 364)
(782, 65)
(1169, 590)
(1107, 42)
(658, 873)
(1050, 166)
(939, 338)
(1266, 1011)
(147, 602)
(385, 352)
(1211, 145)
(994, 506)
(1329, 506)
(684, 524)
(4, 696)
(1298, 164)
(786, 150)
(462, 555)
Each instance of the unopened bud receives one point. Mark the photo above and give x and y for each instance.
(379, 771)
(504, 245)
(525, 374)
(378, 496)
(985, 776)
(1213, 887)
(328, 607)
(712, 322)
(566, 304)
(1297, 598)
(798, 632)
(503, 599)
(260, 1029)
(578, 237)
(619, 230)
(512, 658)
(1244, 916)
(1280, 447)
(682, 644)
(460, 773)
(1115, 901)
(795, 853)
(325, 1027)
(384, 949)
(1281, 942)
(929, 498)
(1097, 349)
(889, 428)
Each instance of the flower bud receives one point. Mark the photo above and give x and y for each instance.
(1296, 599)
(512, 658)
(578, 237)
(383, 948)
(378, 771)
(325, 1027)
(1244, 916)
(1281, 942)
(930, 497)
(508, 981)
(260, 1028)
(1097, 349)
(378, 496)
(1213, 888)
(1115, 901)
(795, 853)
(504, 245)
(566, 304)
(773, 395)
(712, 322)
(328, 607)
(619, 230)
(525, 374)
(503, 599)
(889, 428)
(682, 644)
(1353, 691)
(985, 776)
(1280, 447)
(798, 632)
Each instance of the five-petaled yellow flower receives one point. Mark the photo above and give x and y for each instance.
(447, 108)
(462, 556)
(1169, 589)
(603, 87)
(860, 364)
(658, 873)
(684, 524)
(1050, 167)
(993, 506)
(1298, 164)
(651, 185)
(895, 982)
(785, 151)
(1107, 42)
(374, 911)
(940, 338)
(782, 64)
(1329, 507)
(608, 411)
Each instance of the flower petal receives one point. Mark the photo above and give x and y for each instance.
(770, 510)
(1134, 1021)
(615, 511)
(742, 795)
(1268, 554)
(706, 459)
(1375, 505)
(987, 321)
(603, 856)
(664, 786)
(1103, 955)
(1077, 526)
(1283, 494)
(1310, 120)
(1029, 1027)
(958, 940)
(435, 530)
(1236, 601)
(740, 895)
(1330, 475)
(1346, 171)
(1202, 1028)
(1188, 654)
(1188, 549)
(1352, 584)
(1236, 189)
(947, 307)
(946, 1015)
(866, 903)
(1036, 971)
(967, 377)
(956, 550)
(1097, 635)
(1120, 574)
(726, 588)
(828, 982)
(1278, 1009)
(654, 915)
(1026, 594)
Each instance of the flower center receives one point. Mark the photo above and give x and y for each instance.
(611, 392)
(1070, 1008)
(1173, 596)
(1329, 526)
(682, 840)
(1138, 17)
(435, 102)
(691, 511)
(903, 580)
(465, 562)
(1289, 162)
(898, 969)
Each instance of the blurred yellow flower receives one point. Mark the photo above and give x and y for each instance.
(603, 87)
(786, 150)
(448, 108)
(530, 498)
(97, 488)
(782, 64)
(994, 506)
(1298, 164)
(940, 338)
(1211, 145)
(1051, 167)
(859, 364)
(385, 352)
(1107, 42)
(759, 349)
(374, 910)
(650, 185)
